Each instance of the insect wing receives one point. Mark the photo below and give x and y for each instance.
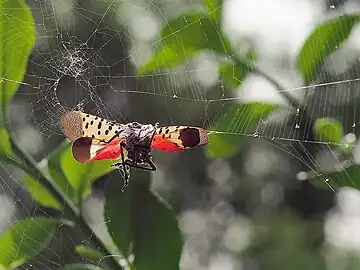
(178, 138)
(86, 149)
(76, 124)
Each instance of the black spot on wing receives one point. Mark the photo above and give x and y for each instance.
(190, 137)
(81, 149)
(84, 141)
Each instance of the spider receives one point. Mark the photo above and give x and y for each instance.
(137, 143)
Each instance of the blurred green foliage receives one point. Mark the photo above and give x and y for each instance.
(158, 244)
(39, 193)
(324, 40)
(79, 266)
(329, 130)
(17, 39)
(24, 240)
(81, 176)
(233, 75)
(213, 8)
(89, 253)
(286, 244)
(183, 38)
(339, 177)
(140, 223)
(240, 118)
(5, 149)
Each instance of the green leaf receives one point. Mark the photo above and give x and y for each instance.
(153, 232)
(89, 253)
(81, 176)
(237, 120)
(25, 240)
(183, 32)
(329, 130)
(39, 193)
(17, 39)
(52, 167)
(348, 177)
(183, 38)
(80, 266)
(223, 145)
(251, 55)
(118, 214)
(213, 8)
(5, 146)
(166, 57)
(324, 40)
(231, 74)
(157, 238)
(212, 38)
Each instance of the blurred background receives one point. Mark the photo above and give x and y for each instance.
(255, 210)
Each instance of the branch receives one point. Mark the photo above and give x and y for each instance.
(289, 98)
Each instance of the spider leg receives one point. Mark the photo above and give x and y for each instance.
(150, 165)
(145, 164)
(140, 158)
(123, 165)
(153, 135)
(112, 138)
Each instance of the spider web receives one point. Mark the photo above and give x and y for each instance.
(87, 56)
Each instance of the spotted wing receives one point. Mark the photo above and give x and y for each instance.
(76, 124)
(178, 138)
(86, 149)
(89, 135)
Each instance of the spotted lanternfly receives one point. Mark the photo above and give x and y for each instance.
(95, 138)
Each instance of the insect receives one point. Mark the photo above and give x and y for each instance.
(95, 138)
